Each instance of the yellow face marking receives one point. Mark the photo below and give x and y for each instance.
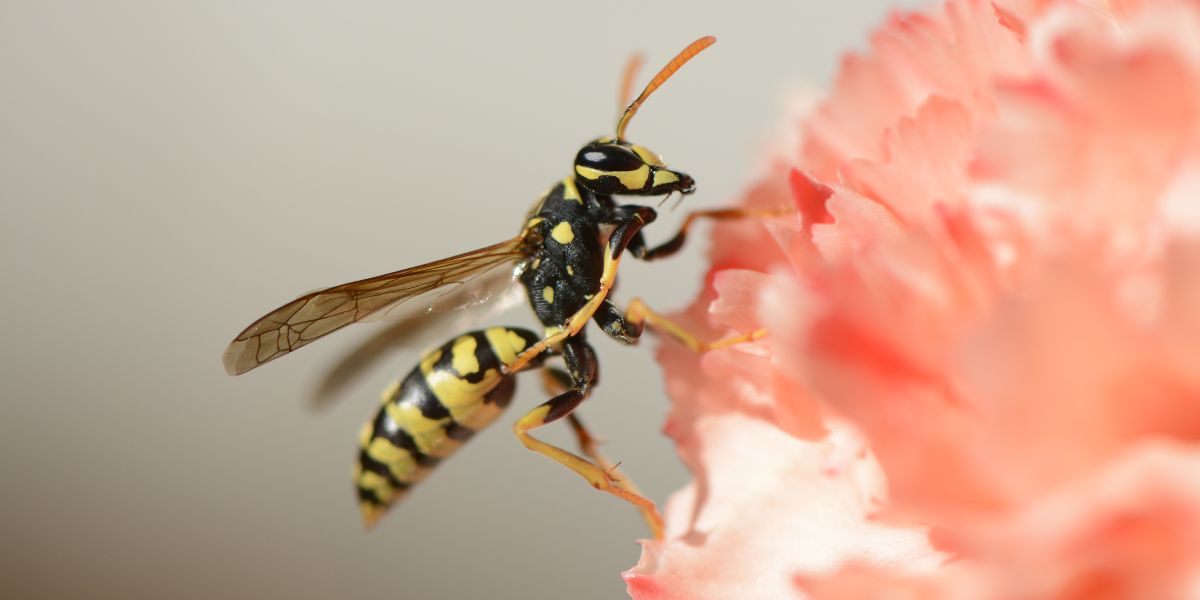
(664, 177)
(562, 233)
(631, 180)
(648, 155)
(427, 433)
(570, 271)
(462, 355)
(548, 294)
(570, 192)
(398, 460)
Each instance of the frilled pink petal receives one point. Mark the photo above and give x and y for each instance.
(857, 581)
(923, 164)
(955, 53)
(1102, 129)
(976, 406)
(765, 513)
(992, 272)
(749, 243)
(740, 379)
(1022, 11)
(738, 292)
(855, 224)
(1132, 530)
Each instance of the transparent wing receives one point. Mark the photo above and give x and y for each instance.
(493, 293)
(317, 314)
(483, 287)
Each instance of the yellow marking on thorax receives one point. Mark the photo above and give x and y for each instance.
(427, 433)
(398, 460)
(562, 233)
(530, 224)
(664, 177)
(570, 271)
(570, 192)
(548, 294)
(632, 180)
(462, 355)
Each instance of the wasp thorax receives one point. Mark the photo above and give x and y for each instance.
(608, 166)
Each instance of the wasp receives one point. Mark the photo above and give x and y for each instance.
(566, 257)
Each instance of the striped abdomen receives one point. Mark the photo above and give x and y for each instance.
(456, 390)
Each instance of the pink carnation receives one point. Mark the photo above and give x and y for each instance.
(981, 378)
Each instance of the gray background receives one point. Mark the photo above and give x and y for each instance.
(171, 170)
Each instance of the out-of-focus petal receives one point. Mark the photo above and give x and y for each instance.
(956, 53)
(766, 513)
(993, 273)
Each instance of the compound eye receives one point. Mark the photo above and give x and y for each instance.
(608, 158)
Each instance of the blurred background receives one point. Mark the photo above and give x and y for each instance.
(170, 171)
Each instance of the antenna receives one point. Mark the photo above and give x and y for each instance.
(636, 60)
(663, 75)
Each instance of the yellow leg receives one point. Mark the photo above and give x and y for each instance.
(639, 313)
(557, 382)
(587, 446)
(612, 260)
(598, 477)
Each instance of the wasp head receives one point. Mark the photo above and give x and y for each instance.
(614, 166)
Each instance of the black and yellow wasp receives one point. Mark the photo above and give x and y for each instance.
(566, 257)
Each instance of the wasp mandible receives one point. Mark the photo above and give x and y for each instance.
(566, 257)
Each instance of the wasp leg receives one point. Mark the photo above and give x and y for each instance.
(638, 314)
(581, 364)
(620, 238)
(557, 381)
(612, 320)
(673, 245)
